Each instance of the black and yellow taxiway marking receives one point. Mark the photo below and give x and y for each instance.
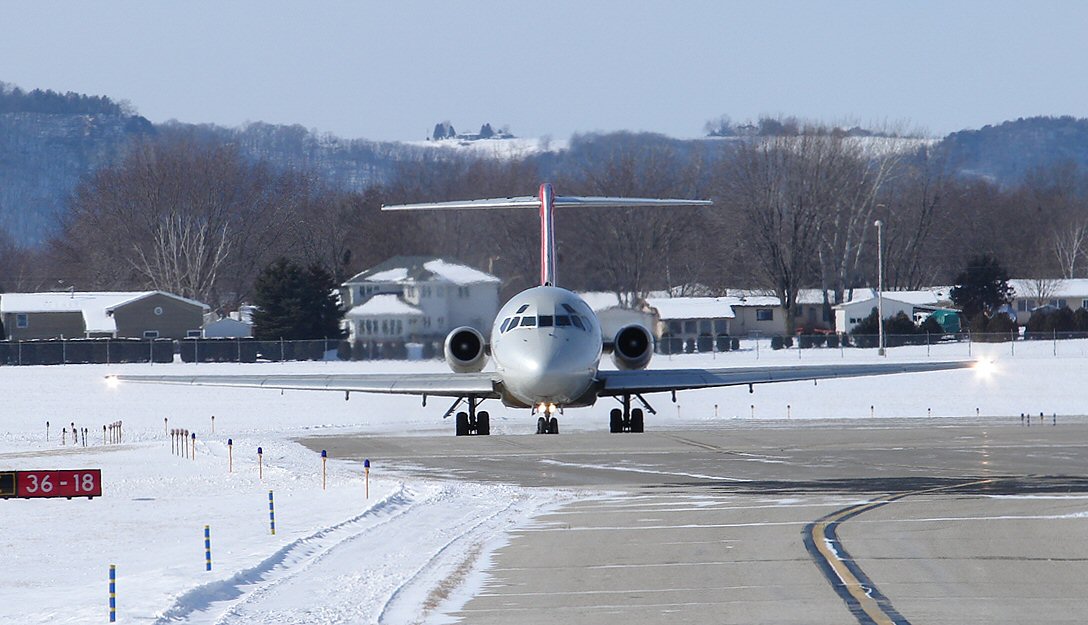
(865, 601)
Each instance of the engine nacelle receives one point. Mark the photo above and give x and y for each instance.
(465, 350)
(632, 347)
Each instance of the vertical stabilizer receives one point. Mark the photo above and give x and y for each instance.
(547, 235)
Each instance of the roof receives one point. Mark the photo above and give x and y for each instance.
(96, 307)
(928, 297)
(401, 269)
(600, 300)
(693, 307)
(1028, 288)
(387, 305)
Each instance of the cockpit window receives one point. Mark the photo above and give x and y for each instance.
(577, 322)
(569, 309)
(562, 320)
(523, 308)
(546, 321)
(528, 322)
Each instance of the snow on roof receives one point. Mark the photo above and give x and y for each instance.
(403, 269)
(96, 307)
(458, 274)
(600, 300)
(692, 307)
(384, 305)
(400, 274)
(1028, 288)
(928, 297)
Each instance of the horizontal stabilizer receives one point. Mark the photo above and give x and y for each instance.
(561, 201)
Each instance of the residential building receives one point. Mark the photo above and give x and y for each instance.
(418, 298)
(116, 314)
(613, 315)
(1031, 294)
(851, 313)
(690, 323)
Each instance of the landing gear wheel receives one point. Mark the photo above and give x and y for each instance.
(483, 423)
(637, 420)
(553, 426)
(462, 424)
(541, 425)
(615, 421)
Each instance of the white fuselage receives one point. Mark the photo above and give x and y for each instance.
(546, 344)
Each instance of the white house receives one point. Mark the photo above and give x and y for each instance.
(418, 298)
(851, 313)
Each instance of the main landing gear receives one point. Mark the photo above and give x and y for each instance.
(471, 423)
(547, 425)
(628, 419)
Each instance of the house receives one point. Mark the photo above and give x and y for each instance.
(613, 315)
(851, 313)
(227, 328)
(1029, 295)
(690, 323)
(418, 298)
(116, 314)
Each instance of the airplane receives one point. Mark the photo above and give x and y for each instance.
(547, 346)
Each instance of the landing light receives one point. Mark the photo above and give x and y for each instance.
(986, 369)
(112, 381)
(551, 408)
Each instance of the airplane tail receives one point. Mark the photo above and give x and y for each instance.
(546, 202)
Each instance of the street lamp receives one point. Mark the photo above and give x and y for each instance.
(879, 286)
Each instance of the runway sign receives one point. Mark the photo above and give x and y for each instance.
(46, 484)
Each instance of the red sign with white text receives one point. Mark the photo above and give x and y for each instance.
(66, 483)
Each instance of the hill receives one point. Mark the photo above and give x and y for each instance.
(1005, 153)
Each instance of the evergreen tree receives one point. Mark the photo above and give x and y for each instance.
(982, 288)
(295, 303)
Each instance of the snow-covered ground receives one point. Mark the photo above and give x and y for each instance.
(415, 548)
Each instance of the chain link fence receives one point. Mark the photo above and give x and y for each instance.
(117, 351)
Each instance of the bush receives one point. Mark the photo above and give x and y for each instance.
(777, 342)
(833, 341)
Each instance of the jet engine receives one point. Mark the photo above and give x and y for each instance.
(465, 350)
(632, 347)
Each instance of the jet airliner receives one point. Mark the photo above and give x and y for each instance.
(547, 346)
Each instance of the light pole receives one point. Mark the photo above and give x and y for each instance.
(879, 286)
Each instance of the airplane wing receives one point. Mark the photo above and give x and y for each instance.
(660, 380)
(481, 385)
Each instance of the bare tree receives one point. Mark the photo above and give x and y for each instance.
(1070, 246)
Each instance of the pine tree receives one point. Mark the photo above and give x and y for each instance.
(295, 303)
(982, 288)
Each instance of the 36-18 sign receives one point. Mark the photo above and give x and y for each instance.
(67, 483)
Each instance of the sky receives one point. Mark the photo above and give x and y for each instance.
(391, 70)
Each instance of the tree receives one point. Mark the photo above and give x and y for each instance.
(982, 287)
(295, 303)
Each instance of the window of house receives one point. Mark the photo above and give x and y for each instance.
(21, 320)
(441, 291)
(462, 291)
(193, 334)
(689, 326)
(721, 326)
(1062, 303)
(764, 314)
(1021, 306)
(1084, 303)
(441, 321)
(154, 334)
(675, 327)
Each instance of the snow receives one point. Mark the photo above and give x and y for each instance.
(417, 548)
(458, 274)
(398, 274)
(693, 307)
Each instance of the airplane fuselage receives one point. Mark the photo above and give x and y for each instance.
(546, 344)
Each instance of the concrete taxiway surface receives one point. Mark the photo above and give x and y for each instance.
(887, 521)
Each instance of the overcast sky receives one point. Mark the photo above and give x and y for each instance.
(392, 69)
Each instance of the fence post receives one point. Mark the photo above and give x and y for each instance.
(282, 356)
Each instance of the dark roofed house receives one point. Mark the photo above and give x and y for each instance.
(114, 314)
